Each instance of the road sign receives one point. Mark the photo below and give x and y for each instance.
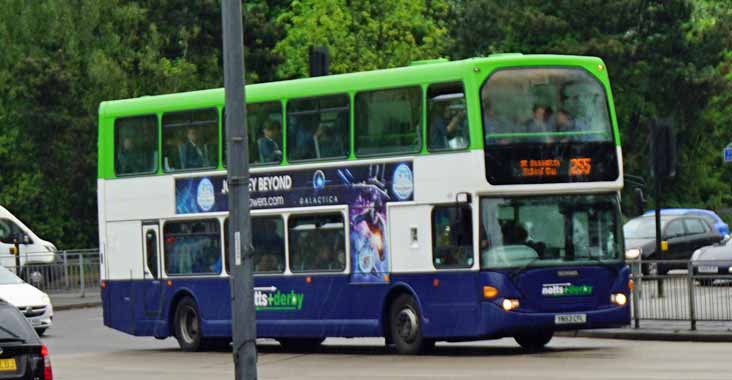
(727, 154)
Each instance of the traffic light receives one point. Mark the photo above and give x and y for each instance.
(663, 149)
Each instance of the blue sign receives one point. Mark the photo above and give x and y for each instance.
(727, 153)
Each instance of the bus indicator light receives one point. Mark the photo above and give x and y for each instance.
(308, 279)
(169, 283)
(436, 282)
(489, 292)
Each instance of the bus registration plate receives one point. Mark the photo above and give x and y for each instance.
(707, 269)
(570, 319)
(7, 364)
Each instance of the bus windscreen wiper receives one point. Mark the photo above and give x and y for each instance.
(600, 261)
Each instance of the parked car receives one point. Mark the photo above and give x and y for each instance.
(709, 216)
(713, 259)
(683, 233)
(33, 303)
(33, 249)
(22, 354)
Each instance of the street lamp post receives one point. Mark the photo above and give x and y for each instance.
(240, 233)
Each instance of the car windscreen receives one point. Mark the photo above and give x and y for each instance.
(642, 228)
(13, 325)
(8, 278)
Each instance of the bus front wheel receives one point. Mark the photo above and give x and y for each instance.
(187, 324)
(534, 341)
(405, 323)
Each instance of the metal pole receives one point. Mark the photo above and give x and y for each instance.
(66, 270)
(16, 244)
(657, 191)
(692, 302)
(240, 239)
(81, 274)
(636, 293)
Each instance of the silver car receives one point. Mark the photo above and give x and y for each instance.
(713, 259)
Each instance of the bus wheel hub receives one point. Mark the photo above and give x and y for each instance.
(407, 324)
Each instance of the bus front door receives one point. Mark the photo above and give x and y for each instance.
(152, 283)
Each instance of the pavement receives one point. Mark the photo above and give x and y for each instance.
(82, 348)
(663, 330)
(76, 299)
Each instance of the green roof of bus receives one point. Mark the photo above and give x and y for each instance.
(343, 83)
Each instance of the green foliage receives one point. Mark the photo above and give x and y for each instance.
(361, 34)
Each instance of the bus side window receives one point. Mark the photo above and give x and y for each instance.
(192, 247)
(136, 145)
(388, 121)
(317, 128)
(268, 242)
(317, 243)
(447, 122)
(452, 237)
(264, 128)
(190, 140)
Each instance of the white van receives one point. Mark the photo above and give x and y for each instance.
(33, 250)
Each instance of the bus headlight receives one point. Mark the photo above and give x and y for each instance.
(510, 304)
(632, 254)
(619, 299)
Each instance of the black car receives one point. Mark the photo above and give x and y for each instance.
(684, 234)
(22, 354)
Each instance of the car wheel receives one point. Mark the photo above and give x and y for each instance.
(535, 340)
(187, 324)
(301, 344)
(40, 332)
(405, 323)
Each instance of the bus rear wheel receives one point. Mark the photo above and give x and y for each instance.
(187, 325)
(534, 341)
(405, 324)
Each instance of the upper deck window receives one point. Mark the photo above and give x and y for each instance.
(135, 145)
(317, 128)
(388, 121)
(544, 105)
(447, 118)
(190, 140)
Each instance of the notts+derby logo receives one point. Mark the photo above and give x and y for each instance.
(565, 289)
(269, 298)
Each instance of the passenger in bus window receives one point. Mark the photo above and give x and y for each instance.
(447, 128)
(566, 123)
(130, 159)
(193, 154)
(269, 149)
(539, 123)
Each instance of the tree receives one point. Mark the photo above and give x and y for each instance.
(361, 34)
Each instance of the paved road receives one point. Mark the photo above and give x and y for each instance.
(81, 348)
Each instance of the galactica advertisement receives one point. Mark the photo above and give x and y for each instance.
(366, 189)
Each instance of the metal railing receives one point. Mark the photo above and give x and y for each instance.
(72, 271)
(681, 290)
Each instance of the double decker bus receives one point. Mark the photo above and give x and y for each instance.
(444, 201)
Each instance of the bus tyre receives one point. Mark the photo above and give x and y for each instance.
(534, 341)
(405, 324)
(187, 325)
(301, 344)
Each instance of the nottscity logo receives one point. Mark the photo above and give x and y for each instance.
(565, 289)
(273, 300)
